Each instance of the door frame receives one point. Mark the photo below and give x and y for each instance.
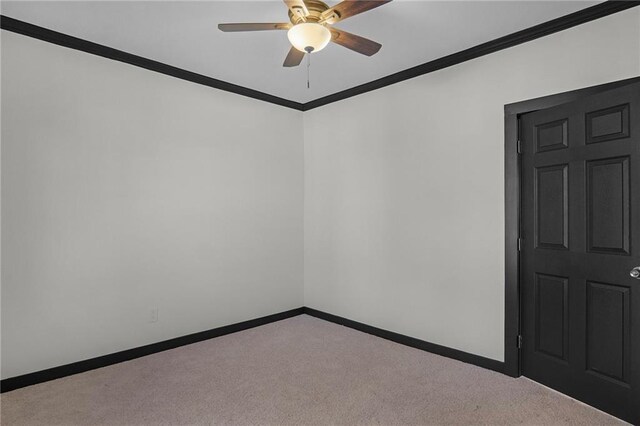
(512, 188)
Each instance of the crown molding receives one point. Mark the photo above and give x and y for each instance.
(568, 21)
(61, 39)
(562, 23)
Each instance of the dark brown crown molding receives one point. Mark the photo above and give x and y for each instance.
(580, 17)
(532, 33)
(55, 37)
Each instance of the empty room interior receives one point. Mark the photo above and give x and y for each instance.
(309, 212)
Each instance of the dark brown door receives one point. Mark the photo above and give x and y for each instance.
(581, 243)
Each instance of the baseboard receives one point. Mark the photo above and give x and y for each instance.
(29, 379)
(17, 382)
(477, 360)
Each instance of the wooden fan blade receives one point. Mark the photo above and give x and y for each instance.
(354, 42)
(294, 57)
(297, 8)
(349, 8)
(228, 28)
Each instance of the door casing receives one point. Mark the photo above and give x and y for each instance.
(512, 186)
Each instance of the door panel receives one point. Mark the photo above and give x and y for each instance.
(552, 136)
(608, 330)
(552, 319)
(608, 205)
(581, 238)
(552, 207)
(608, 124)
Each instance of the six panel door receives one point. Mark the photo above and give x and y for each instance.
(581, 239)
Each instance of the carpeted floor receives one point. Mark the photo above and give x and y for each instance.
(298, 371)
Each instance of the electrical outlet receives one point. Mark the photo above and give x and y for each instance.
(153, 315)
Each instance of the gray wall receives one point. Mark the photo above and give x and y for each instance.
(124, 190)
(404, 221)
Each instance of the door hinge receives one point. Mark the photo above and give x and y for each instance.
(519, 147)
(519, 244)
(519, 341)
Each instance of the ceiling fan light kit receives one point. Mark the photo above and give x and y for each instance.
(311, 27)
(309, 37)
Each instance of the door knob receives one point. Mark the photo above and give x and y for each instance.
(635, 273)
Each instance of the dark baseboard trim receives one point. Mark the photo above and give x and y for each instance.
(456, 354)
(17, 382)
(29, 379)
(44, 34)
(580, 17)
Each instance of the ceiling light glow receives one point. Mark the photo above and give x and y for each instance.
(309, 37)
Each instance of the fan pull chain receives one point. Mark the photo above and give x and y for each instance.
(308, 69)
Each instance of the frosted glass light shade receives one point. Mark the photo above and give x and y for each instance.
(309, 37)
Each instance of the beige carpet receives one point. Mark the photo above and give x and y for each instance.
(298, 371)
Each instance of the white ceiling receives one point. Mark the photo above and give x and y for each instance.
(184, 34)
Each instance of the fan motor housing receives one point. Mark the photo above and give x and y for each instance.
(316, 9)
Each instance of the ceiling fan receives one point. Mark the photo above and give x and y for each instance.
(310, 29)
